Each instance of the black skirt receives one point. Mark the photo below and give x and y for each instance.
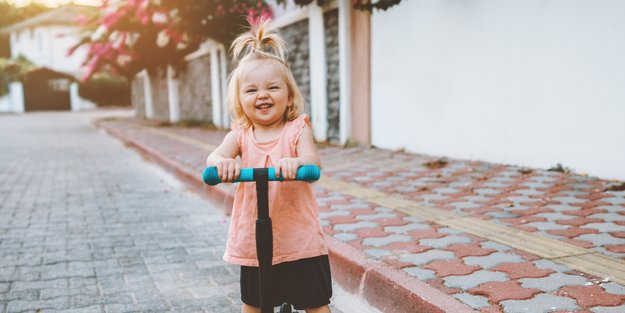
(305, 283)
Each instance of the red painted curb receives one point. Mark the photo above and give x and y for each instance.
(386, 288)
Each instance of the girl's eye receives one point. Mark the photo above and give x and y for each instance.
(250, 90)
(274, 87)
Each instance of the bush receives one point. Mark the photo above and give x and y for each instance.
(106, 90)
(12, 70)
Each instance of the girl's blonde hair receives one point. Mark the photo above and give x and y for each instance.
(261, 43)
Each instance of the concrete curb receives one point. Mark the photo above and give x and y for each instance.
(386, 288)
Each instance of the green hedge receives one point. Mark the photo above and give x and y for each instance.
(106, 90)
(12, 70)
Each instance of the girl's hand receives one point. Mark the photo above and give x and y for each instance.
(288, 167)
(228, 170)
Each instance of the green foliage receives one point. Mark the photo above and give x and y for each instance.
(12, 70)
(106, 90)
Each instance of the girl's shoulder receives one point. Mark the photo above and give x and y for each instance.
(300, 122)
(238, 130)
(296, 127)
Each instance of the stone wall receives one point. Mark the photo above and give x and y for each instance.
(296, 36)
(194, 83)
(158, 86)
(331, 28)
(137, 96)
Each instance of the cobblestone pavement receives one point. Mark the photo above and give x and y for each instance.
(498, 238)
(87, 226)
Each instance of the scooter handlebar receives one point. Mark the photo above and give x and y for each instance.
(308, 173)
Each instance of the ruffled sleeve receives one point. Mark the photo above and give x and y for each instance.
(298, 126)
(238, 131)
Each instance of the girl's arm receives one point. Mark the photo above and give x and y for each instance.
(224, 158)
(306, 154)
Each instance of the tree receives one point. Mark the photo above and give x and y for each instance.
(143, 34)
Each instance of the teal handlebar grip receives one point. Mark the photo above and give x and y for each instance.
(308, 173)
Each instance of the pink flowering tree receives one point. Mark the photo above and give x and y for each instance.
(128, 36)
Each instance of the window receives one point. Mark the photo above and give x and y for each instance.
(59, 84)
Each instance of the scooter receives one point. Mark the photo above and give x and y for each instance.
(264, 235)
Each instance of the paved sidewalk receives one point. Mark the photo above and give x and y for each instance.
(447, 237)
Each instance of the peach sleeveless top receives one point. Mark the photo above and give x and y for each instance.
(297, 233)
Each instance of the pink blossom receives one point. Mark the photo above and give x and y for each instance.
(82, 20)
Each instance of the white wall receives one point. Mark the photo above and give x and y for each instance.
(533, 82)
(48, 45)
(5, 103)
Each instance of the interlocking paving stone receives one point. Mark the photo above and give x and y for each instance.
(618, 200)
(493, 259)
(494, 245)
(465, 205)
(600, 239)
(378, 253)
(476, 302)
(324, 215)
(522, 270)
(553, 282)
(500, 215)
(609, 309)
(345, 236)
(547, 264)
(476, 198)
(445, 241)
(431, 197)
(406, 228)
(354, 226)
(608, 252)
(541, 303)
(450, 231)
(568, 200)
(426, 257)
(445, 190)
(546, 225)
(475, 279)
(605, 227)
(614, 288)
(590, 296)
(559, 207)
(382, 241)
(555, 216)
(420, 273)
(535, 185)
(371, 217)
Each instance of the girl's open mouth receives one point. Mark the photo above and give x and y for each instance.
(264, 106)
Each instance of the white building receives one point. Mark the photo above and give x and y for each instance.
(45, 41)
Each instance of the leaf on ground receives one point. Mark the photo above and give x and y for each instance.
(559, 168)
(619, 187)
(525, 171)
(436, 164)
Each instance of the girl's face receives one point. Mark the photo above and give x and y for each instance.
(264, 93)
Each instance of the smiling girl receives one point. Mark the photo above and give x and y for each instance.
(269, 130)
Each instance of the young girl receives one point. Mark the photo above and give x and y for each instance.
(269, 130)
